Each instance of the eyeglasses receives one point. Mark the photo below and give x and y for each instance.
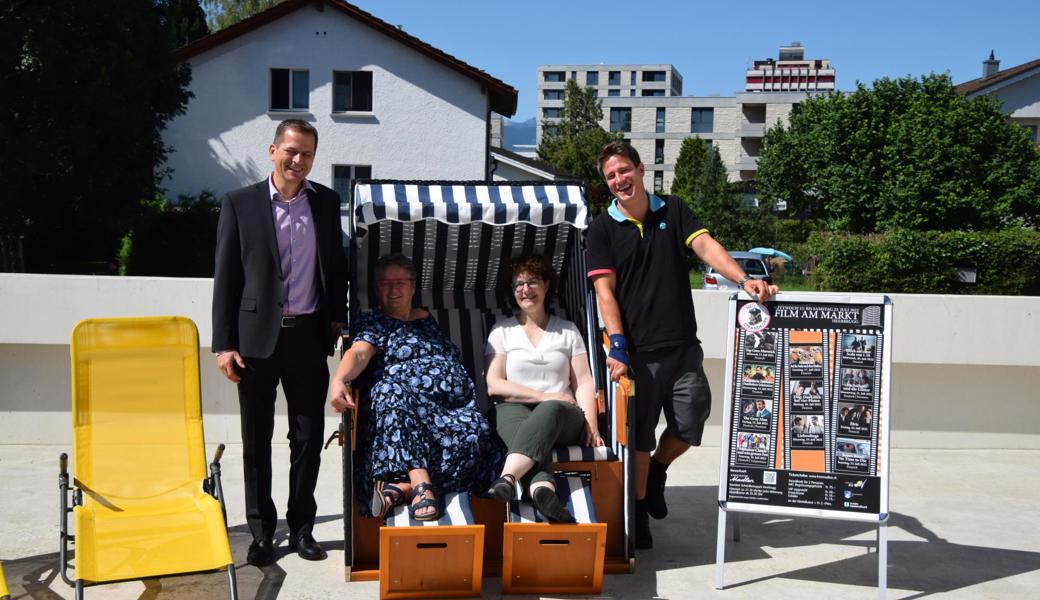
(532, 284)
(388, 284)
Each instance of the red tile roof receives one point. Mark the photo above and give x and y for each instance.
(503, 96)
(977, 85)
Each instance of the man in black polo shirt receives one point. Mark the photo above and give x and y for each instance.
(637, 265)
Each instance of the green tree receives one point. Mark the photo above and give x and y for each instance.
(688, 166)
(573, 144)
(87, 92)
(908, 153)
(184, 20)
(736, 225)
(223, 13)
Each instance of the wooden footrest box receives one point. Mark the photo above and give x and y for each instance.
(544, 558)
(432, 559)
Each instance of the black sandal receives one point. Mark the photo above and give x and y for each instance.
(418, 492)
(548, 503)
(385, 496)
(502, 488)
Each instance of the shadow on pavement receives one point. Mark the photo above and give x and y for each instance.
(37, 577)
(930, 565)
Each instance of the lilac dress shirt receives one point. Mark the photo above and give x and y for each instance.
(297, 249)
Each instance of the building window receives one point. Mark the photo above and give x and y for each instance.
(653, 92)
(613, 92)
(621, 119)
(658, 152)
(595, 93)
(631, 92)
(592, 78)
(290, 89)
(553, 76)
(701, 120)
(1032, 132)
(551, 112)
(344, 175)
(660, 120)
(658, 181)
(656, 76)
(351, 91)
(632, 78)
(574, 75)
(552, 94)
(614, 78)
(550, 130)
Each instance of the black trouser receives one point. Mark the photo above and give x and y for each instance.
(300, 363)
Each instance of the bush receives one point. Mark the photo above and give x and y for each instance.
(172, 240)
(789, 232)
(903, 261)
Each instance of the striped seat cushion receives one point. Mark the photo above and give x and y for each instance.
(457, 512)
(583, 453)
(574, 488)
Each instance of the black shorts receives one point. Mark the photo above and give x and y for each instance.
(672, 379)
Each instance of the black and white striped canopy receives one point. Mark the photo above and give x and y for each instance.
(539, 204)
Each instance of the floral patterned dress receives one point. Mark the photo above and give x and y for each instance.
(422, 411)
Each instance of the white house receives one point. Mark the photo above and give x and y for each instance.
(1017, 88)
(386, 104)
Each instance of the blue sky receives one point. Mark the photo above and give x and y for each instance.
(712, 43)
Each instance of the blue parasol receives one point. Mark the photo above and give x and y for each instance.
(771, 252)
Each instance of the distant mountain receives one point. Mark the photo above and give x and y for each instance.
(518, 132)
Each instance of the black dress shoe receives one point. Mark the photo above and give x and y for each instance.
(261, 553)
(306, 547)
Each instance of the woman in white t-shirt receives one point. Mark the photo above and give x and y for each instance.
(538, 368)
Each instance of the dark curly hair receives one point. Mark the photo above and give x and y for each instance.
(534, 264)
(618, 148)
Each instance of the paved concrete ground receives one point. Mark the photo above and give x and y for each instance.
(965, 524)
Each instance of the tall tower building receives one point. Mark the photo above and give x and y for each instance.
(791, 73)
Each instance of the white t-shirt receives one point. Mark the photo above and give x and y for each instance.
(545, 368)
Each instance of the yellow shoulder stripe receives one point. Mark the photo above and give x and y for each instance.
(694, 235)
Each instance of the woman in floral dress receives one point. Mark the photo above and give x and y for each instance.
(423, 436)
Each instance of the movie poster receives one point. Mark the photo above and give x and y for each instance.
(806, 398)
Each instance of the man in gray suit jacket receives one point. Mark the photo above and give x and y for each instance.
(279, 302)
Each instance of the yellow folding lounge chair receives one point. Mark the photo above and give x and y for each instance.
(4, 594)
(142, 503)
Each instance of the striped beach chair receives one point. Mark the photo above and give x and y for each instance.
(459, 235)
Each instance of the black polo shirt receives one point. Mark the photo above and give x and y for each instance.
(653, 285)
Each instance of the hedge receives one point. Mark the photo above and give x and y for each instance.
(172, 240)
(902, 261)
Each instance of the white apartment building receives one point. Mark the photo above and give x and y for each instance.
(645, 102)
(386, 104)
(607, 81)
(791, 73)
(655, 117)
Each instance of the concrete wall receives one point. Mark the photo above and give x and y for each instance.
(427, 120)
(964, 367)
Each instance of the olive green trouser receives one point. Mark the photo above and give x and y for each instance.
(534, 429)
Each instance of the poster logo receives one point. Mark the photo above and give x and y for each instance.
(753, 317)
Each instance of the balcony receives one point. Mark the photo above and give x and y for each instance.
(751, 130)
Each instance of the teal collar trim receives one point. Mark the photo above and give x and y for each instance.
(656, 204)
